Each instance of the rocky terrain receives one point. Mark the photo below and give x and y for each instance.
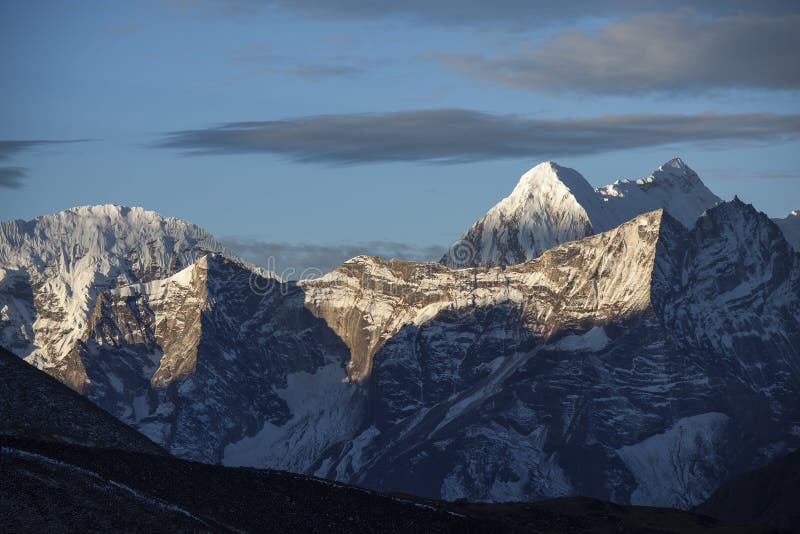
(628, 348)
(644, 364)
(53, 268)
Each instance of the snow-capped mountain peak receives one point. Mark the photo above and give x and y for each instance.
(548, 175)
(66, 259)
(677, 166)
(674, 186)
(675, 171)
(551, 204)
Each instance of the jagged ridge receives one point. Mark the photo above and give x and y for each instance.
(553, 204)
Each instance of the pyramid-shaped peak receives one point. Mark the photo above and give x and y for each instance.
(549, 174)
(675, 167)
(734, 209)
(676, 163)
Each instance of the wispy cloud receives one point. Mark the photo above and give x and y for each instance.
(310, 69)
(8, 149)
(457, 135)
(13, 177)
(293, 260)
(670, 53)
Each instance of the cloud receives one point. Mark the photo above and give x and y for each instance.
(293, 261)
(8, 149)
(11, 177)
(678, 52)
(311, 70)
(318, 71)
(457, 135)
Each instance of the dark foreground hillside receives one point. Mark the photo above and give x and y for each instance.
(56, 488)
(766, 496)
(37, 406)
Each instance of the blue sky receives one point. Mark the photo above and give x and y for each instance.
(120, 77)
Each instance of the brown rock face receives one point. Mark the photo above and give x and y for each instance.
(367, 301)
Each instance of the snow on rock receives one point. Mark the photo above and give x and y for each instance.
(681, 466)
(553, 204)
(673, 186)
(591, 341)
(60, 263)
(323, 413)
(367, 301)
(550, 205)
(205, 360)
(790, 225)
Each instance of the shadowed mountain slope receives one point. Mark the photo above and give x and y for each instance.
(767, 496)
(36, 406)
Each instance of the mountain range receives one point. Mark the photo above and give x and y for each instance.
(638, 343)
(552, 204)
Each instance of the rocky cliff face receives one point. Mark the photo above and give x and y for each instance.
(53, 268)
(198, 360)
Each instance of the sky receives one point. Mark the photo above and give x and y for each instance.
(313, 131)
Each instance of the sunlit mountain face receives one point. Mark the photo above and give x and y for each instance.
(280, 266)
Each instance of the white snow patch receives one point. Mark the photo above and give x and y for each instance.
(680, 467)
(593, 340)
(322, 414)
(353, 457)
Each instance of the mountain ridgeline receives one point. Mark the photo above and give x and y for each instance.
(638, 343)
(552, 204)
